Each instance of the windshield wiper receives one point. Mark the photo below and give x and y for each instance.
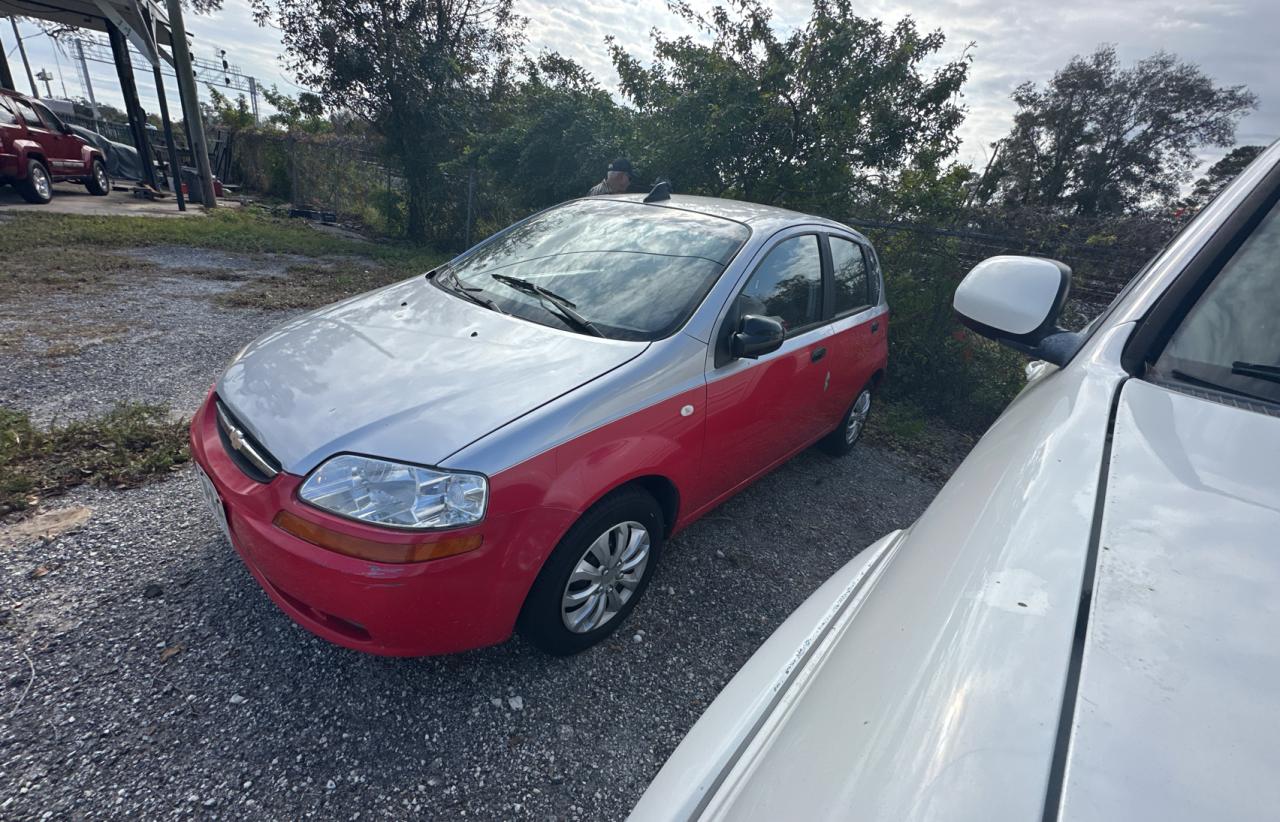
(1258, 371)
(466, 291)
(564, 308)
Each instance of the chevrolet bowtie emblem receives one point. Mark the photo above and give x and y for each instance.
(236, 437)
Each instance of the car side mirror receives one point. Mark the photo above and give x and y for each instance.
(1016, 301)
(757, 336)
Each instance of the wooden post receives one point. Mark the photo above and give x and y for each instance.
(190, 101)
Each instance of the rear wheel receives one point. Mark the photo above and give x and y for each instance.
(596, 575)
(98, 183)
(38, 186)
(841, 441)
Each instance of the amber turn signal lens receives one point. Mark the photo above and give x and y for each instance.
(371, 549)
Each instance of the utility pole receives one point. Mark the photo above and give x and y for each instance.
(88, 84)
(35, 92)
(190, 101)
(6, 76)
(44, 76)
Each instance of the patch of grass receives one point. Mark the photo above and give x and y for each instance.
(311, 285)
(932, 445)
(123, 448)
(245, 230)
(60, 339)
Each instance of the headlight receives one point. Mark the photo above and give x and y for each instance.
(390, 493)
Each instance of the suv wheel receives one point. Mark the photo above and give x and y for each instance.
(38, 186)
(596, 575)
(98, 183)
(841, 441)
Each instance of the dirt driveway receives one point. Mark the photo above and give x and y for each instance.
(145, 674)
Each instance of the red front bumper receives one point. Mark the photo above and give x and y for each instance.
(415, 609)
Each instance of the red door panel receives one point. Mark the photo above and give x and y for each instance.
(761, 411)
(857, 343)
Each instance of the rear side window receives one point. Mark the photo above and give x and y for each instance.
(1230, 339)
(28, 114)
(853, 282)
(7, 117)
(50, 119)
(787, 284)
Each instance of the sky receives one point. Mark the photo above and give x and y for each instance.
(1232, 40)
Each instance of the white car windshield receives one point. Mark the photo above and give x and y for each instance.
(627, 270)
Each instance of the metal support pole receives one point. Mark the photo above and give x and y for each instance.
(137, 120)
(88, 83)
(253, 95)
(6, 76)
(175, 165)
(35, 92)
(190, 101)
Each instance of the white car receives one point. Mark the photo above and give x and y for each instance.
(1085, 624)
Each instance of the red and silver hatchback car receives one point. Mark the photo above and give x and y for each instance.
(508, 441)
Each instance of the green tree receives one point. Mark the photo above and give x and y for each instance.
(417, 70)
(223, 112)
(812, 120)
(554, 130)
(1221, 173)
(1099, 139)
(304, 113)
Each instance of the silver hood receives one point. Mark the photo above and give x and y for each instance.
(407, 372)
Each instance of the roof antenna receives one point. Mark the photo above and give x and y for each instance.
(661, 191)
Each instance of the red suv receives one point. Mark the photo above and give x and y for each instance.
(37, 150)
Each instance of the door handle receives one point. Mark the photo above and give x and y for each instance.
(875, 326)
(818, 353)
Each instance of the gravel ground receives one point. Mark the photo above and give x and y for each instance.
(156, 337)
(167, 685)
(144, 674)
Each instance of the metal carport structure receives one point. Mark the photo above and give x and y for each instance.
(157, 31)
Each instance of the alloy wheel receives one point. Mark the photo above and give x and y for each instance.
(40, 180)
(858, 416)
(606, 577)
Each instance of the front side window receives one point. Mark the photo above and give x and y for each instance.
(787, 284)
(28, 114)
(632, 271)
(1230, 339)
(853, 291)
(7, 117)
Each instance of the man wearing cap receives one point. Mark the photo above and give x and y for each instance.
(616, 181)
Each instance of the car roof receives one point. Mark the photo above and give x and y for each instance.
(765, 218)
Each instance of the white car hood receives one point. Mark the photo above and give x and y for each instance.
(1176, 715)
(408, 372)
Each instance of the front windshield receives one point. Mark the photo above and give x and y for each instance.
(631, 271)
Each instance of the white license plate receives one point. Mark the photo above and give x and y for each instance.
(211, 498)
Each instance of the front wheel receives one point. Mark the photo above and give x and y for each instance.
(596, 575)
(841, 441)
(98, 183)
(38, 186)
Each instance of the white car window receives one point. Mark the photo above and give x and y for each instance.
(1230, 339)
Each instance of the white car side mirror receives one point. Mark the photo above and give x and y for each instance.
(1016, 301)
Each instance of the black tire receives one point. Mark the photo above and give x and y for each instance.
(37, 188)
(841, 441)
(542, 619)
(98, 183)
